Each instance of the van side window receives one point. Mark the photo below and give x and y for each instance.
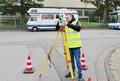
(33, 19)
(57, 16)
(47, 16)
(33, 10)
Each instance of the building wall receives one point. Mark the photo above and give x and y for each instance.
(82, 8)
(67, 4)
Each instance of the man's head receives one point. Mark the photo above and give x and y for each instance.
(68, 17)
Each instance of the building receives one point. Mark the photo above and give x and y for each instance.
(84, 9)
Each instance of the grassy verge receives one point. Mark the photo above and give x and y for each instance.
(92, 24)
(84, 25)
(7, 26)
(11, 26)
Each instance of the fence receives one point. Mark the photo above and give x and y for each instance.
(11, 22)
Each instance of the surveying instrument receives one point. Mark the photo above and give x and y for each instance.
(62, 25)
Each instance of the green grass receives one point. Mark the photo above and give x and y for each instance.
(93, 24)
(7, 26)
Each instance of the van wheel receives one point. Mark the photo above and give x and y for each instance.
(34, 28)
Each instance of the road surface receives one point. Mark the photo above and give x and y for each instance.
(15, 46)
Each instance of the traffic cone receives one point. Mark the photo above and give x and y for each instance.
(28, 68)
(83, 65)
(89, 79)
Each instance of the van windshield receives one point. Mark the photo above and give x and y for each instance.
(113, 17)
(33, 19)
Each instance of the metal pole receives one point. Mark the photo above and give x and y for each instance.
(1, 20)
(99, 19)
(15, 21)
(88, 20)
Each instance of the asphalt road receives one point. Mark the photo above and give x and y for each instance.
(15, 46)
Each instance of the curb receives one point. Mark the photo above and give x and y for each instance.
(107, 67)
(110, 76)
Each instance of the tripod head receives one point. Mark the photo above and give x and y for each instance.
(62, 18)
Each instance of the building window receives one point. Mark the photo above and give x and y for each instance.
(80, 13)
(86, 13)
(47, 16)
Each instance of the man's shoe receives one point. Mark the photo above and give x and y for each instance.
(69, 75)
(80, 79)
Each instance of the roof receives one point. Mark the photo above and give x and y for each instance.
(115, 12)
(48, 10)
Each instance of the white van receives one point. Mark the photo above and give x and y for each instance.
(45, 18)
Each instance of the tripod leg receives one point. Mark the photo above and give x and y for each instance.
(68, 57)
(48, 57)
(64, 47)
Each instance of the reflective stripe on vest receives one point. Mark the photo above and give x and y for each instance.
(73, 37)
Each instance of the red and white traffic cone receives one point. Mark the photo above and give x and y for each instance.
(89, 79)
(28, 68)
(83, 65)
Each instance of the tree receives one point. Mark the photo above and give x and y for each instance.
(106, 5)
(13, 6)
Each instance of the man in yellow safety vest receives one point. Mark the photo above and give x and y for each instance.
(72, 29)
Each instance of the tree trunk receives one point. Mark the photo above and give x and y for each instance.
(22, 14)
(105, 13)
(22, 18)
(105, 16)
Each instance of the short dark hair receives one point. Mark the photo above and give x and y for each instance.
(69, 13)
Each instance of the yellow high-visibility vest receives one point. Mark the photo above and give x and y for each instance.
(73, 37)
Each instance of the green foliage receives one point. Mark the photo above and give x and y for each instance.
(2, 1)
(103, 7)
(99, 11)
(11, 7)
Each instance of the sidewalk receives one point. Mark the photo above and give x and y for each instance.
(114, 65)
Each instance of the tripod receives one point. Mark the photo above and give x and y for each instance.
(66, 52)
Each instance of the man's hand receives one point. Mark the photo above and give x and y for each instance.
(66, 22)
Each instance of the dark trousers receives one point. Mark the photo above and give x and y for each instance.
(75, 54)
